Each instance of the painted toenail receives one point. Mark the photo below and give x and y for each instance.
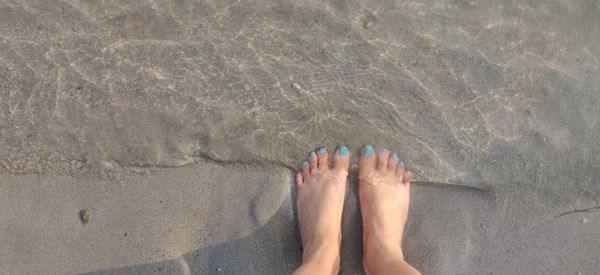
(402, 162)
(394, 156)
(385, 150)
(322, 150)
(368, 150)
(304, 163)
(343, 150)
(312, 154)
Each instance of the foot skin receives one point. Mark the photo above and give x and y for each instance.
(321, 191)
(384, 192)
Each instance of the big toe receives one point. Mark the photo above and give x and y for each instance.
(366, 164)
(341, 159)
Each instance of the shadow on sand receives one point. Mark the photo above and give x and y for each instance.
(275, 248)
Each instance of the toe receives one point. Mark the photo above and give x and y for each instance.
(312, 161)
(400, 169)
(392, 162)
(407, 177)
(341, 159)
(299, 179)
(366, 164)
(382, 159)
(322, 155)
(305, 169)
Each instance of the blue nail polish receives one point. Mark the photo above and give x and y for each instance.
(385, 150)
(394, 156)
(343, 150)
(312, 154)
(402, 162)
(304, 163)
(322, 150)
(367, 150)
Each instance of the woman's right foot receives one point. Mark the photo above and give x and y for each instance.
(384, 192)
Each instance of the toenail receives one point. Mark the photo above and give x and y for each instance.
(343, 150)
(368, 150)
(304, 163)
(402, 162)
(394, 156)
(312, 154)
(385, 150)
(322, 150)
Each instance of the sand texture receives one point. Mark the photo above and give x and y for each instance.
(161, 137)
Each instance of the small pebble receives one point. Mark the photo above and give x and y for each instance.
(84, 214)
(584, 221)
(369, 23)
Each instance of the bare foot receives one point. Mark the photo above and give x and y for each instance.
(384, 191)
(321, 192)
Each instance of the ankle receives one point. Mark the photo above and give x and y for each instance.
(325, 256)
(377, 250)
(375, 258)
(382, 240)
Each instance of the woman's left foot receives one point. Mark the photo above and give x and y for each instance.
(321, 192)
